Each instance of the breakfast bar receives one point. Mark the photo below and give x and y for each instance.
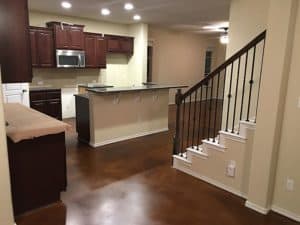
(109, 115)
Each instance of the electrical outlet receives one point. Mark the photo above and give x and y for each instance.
(40, 82)
(290, 184)
(230, 171)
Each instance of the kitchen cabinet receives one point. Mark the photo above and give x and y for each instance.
(67, 36)
(120, 44)
(47, 101)
(42, 47)
(15, 56)
(95, 50)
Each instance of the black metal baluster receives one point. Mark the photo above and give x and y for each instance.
(251, 84)
(182, 134)
(178, 101)
(223, 95)
(229, 96)
(199, 118)
(236, 94)
(194, 119)
(244, 84)
(261, 68)
(216, 107)
(209, 111)
(189, 120)
(205, 110)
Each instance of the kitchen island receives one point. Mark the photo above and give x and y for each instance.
(109, 115)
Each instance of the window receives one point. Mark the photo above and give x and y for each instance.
(208, 62)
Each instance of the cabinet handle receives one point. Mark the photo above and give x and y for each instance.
(38, 103)
(54, 102)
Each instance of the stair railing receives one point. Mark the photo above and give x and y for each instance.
(200, 110)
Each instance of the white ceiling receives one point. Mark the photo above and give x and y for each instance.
(189, 15)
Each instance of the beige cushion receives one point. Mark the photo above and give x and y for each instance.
(26, 123)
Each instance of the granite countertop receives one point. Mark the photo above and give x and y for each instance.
(43, 88)
(95, 85)
(137, 88)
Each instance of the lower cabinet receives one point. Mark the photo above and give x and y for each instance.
(47, 102)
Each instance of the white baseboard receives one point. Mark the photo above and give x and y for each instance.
(211, 181)
(286, 213)
(257, 208)
(124, 138)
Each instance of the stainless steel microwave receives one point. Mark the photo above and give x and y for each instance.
(70, 58)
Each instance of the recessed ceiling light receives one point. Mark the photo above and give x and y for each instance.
(105, 12)
(66, 5)
(137, 17)
(128, 6)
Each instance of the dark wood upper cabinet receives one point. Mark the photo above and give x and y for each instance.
(45, 44)
(67, 36)
(95, 50)
(42, 47)
(126, 45)
(15, 55)
(120, 44)
(34, 49)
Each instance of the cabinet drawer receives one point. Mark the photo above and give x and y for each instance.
(37, 95)
(53, 95)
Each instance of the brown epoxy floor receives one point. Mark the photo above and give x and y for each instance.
(132, 183)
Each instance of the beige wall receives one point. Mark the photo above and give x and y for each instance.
(6, 213)
(289, 151)
(275, 148)
(143, 113)
(178, 57)
(119, 70)
(247, 19)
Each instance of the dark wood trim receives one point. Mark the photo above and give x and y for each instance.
(51, 23)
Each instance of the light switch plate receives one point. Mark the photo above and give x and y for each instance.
(290, 184)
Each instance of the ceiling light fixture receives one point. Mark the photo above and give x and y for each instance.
(137, 17)
(66, 5)
(105, 12)
(224, 38)
(128, 6)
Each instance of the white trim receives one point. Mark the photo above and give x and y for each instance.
(211, 181)
(124, 138)
(234, 137)
(214, 146)
(257, 208)
(248, 125)
(197, 153)
(286, 213)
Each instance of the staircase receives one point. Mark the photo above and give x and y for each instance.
(216, 120)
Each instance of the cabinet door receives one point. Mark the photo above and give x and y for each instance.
(101, 52)
(15, 54)
(76, 38)
(39, 106)
(113, 45)
(90, 51)
(53, 108)
(61, 37)
(45, 48)
(33, 44)
(126, 45)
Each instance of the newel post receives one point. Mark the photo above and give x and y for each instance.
(178, 101)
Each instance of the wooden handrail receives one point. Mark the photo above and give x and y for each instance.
(229, 61)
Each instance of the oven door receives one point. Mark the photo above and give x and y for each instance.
(69, 58)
